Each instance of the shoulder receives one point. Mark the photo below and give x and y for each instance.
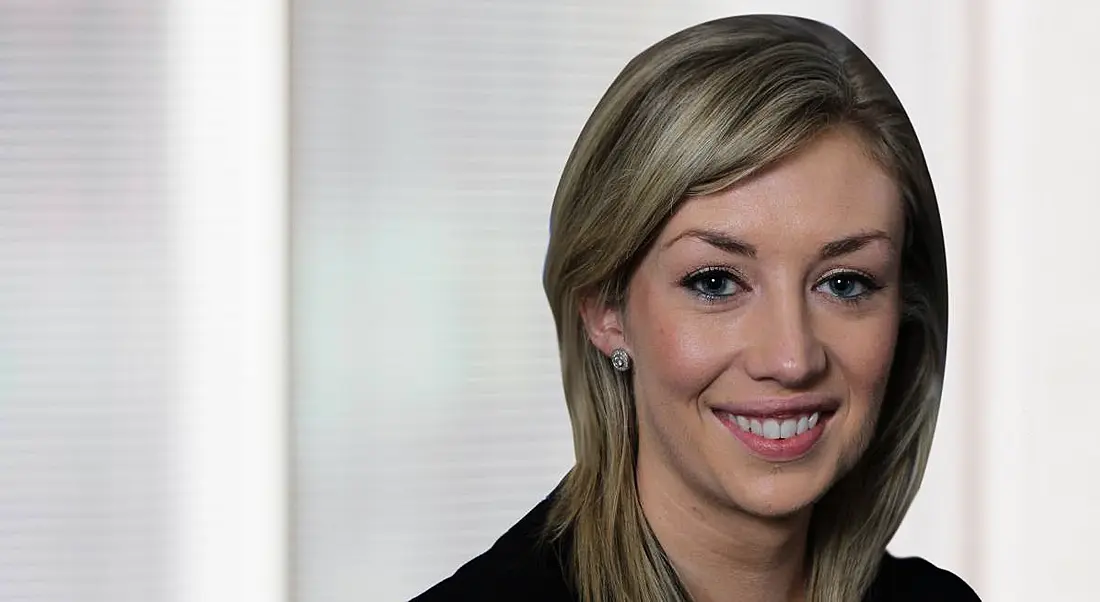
(916, 580)
(517, 567)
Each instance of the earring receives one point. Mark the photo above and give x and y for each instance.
(620, 360)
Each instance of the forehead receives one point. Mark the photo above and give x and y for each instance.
(828, 189)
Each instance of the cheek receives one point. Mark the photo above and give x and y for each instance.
(864, 357)
(677, 353)
(866, 360)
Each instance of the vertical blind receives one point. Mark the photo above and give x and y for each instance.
(86, 312)
(142, 265)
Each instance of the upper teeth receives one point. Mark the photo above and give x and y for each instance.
(778, 429)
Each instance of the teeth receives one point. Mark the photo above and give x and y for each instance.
(776, 429)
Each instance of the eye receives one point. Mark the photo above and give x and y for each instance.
(849, 286)
(712, 283)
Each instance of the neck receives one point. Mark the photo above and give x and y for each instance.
(722, 553)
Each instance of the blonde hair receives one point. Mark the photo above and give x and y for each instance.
(694, 114)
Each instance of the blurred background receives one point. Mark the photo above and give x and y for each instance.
(271, 318)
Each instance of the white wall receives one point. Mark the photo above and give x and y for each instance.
(142, 301)
(429, 138)
(1039, 487)
(145, 243)
(85, 297)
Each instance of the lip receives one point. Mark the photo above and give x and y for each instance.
(781, 407)
(778, 450)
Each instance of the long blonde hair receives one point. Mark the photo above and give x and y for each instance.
(694, 114)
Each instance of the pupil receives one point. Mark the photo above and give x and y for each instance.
(842, 285)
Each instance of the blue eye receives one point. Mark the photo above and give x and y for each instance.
(712, 283)
(849, 286)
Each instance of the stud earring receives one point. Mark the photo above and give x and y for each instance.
(620, 360)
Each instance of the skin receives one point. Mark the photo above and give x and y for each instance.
(772, 325)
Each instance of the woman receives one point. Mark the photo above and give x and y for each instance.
(746, 268)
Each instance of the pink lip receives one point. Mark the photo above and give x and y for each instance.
(775, 450)
(782, 407)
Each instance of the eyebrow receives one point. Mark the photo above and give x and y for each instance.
(829, 250)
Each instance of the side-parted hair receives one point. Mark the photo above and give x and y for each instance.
(692, 115)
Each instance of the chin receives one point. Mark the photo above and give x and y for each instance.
(765, 487)
(782, 493)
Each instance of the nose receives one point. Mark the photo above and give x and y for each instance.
(783, 346)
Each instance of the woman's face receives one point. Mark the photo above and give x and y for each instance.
(762, 326)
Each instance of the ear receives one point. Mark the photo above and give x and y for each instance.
(604, 325)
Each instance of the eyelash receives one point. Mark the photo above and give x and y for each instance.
(691, 280)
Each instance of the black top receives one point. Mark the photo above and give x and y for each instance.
(518, 568)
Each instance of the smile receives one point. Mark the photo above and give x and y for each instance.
(778, 429)
(778, 439)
